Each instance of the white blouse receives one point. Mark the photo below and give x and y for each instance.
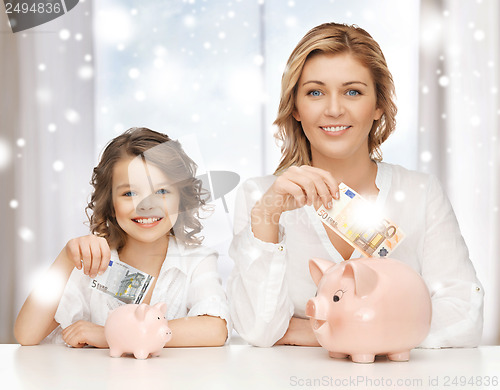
(188, 283)
(270, 283)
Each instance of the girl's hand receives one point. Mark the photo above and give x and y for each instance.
(299, 186)
(90, 252)
(83, 333)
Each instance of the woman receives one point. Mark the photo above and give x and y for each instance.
(336, 110)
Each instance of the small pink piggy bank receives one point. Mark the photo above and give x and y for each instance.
(137, 329)
(367, 307)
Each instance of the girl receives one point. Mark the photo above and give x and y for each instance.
(336, 110)
(144, 212)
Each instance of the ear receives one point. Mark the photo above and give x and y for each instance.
(378, 114)
(296, 115)
(318, 267)
(162, 306)
(365, 278)
(140, 312)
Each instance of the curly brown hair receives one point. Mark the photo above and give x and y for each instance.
(165, 153)
(333, 38)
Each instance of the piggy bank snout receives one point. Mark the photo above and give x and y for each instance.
(165, 332)
(311, 308)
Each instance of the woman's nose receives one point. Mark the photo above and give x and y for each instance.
(334, 107)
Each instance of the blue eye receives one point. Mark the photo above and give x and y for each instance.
(129, 193)
(315, 93)
(352, 92)
(163, 191)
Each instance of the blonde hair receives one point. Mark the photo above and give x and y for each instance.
(333, 38)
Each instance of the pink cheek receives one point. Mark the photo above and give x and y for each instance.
(334, 316)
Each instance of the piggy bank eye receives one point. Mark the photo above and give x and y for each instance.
(338, 295)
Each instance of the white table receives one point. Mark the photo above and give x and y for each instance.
(240, 366)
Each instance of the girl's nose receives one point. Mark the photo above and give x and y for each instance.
(147, 203)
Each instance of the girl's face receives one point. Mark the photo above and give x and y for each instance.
(146, 203)
(336, 103)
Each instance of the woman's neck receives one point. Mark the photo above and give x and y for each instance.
(144, 255)
(357, 173)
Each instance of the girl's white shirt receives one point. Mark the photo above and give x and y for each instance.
(188, 283)
(270, 283)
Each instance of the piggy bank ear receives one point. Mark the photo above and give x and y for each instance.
(365, 278)
(318, 267)
(140, 312)
(161, 306)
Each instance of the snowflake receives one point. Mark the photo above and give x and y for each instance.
(58, 166)
(426, 156)
(444, 81)
(134, 73)
(64, 34)
(475, 121)
(72, 116)
(258, 60)
(26, 234)
(86, 72)
(399, 196)
(189, 21)
(479, 35)
(44, 95)
(140, 96)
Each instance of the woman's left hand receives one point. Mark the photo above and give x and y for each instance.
(83, 333)
(299, 332)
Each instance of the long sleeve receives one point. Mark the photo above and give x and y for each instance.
(73, 305)
(206, 295)
(456, 293)
(260, 306)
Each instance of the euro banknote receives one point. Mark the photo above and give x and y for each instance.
(361, 224)
(123, 282)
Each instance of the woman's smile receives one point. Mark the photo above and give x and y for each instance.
(335, 130)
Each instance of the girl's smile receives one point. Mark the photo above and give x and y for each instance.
(147, 222)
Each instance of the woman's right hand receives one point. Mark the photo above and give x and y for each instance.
(293, 189)
(299, 186)
(90, 253)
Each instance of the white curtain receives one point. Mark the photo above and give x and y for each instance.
(46, 148)
(459, 127)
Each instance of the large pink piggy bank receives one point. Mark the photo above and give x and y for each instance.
(137, 329)
(367, 307)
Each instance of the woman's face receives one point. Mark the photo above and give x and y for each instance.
(336, 104)
(146, 203)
